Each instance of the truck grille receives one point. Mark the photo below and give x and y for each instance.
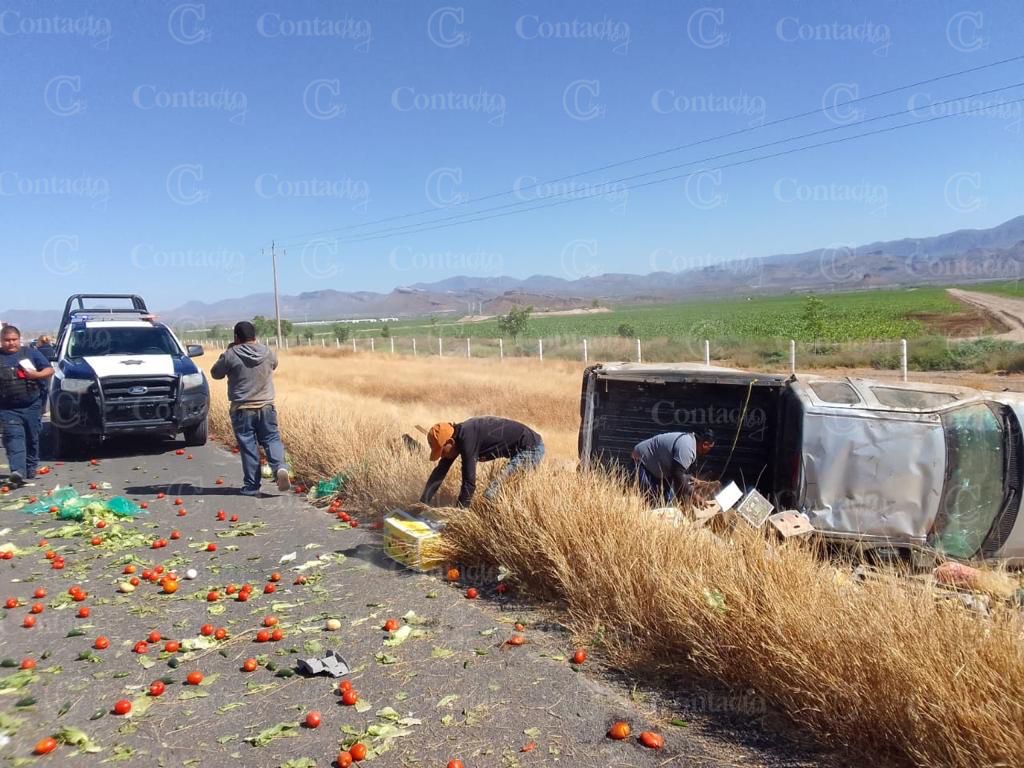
(131, 400)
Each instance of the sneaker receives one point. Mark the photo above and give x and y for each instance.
(15, 480)
(283, 483)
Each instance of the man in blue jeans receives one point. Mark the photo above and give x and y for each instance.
(23, 377)
(249, 368)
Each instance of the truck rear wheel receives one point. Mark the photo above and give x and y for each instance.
(64, 445)
(195, 436)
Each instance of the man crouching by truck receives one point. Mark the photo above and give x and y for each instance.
(663, 463)
(483, 438)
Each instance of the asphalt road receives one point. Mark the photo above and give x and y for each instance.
(467, 694)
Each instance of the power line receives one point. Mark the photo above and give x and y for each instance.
(677, 148)
(460, 218)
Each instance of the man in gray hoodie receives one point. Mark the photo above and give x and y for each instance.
(249, 368)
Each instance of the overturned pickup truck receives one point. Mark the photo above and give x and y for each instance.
(915, 469)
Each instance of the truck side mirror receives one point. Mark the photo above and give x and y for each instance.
(195, 350)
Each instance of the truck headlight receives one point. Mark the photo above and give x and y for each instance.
(78, 386)
(192, 380)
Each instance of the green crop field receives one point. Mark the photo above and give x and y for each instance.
(1012, 288)
(861, 316)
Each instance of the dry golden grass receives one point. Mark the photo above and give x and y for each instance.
(884, 666)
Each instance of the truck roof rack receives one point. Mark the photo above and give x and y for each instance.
(75, 305)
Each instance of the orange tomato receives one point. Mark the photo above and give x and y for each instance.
(652, 740)
(619, 731)
(358, 751)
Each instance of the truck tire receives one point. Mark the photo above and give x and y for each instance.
(196, 436)
(64, 445)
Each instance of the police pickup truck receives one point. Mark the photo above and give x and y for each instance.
(118, 371)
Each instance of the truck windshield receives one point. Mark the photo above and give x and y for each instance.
(95, 342)
(975, 479)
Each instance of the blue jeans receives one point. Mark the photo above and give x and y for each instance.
(523, 460)
(254, 428)
(21, 437)
(656, 490)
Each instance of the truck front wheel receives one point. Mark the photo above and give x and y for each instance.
(195, 436)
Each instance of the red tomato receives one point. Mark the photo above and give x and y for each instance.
(83, 612)
(101, 643)
(652, 740)
(390, 625)
(12, 602)
(175, 535)
(349, 698)
(358, 751)
(471, 593)
(154, 637)
(194, 678)
(269, 621)
(45, 746)
(455, 764)
(206, 630)
(29, 622)
(220, 633)
(212, 597)
(211, 547)
(313, 720)
(172, 646)
(249, 665)
(122, 707)
(269, 589)
(28, 663)
(39, 594)
(262, 636)
(157, 687)
(579, 657)
(141, 647)
(344, 759)
(277, 634)
(275, 576)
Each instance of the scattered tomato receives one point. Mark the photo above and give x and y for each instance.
(520, 627)
(516, 640)
(275, 576)
(471, 593)
(221, 514)
(175, 535)
(194, 678)
(157, 688)
(299, 580)
(170, 585)
(344, 759)
(234, 518)
(220, 634)
(313, 719)
(28, 663)
(80, 596)
(83, 612)
(178, 501)
(652, 740)
(29, 622)
(358, 751)
(122, 707)
(501, 588)
(390, 625)
(12, 602)
(230, 589)
(344, 685)
(579, 657)
(277, 634)
(101, 643)
(37, 608)
(134, 581)
(154, 637)
(262, 636)
(45, 746)
(349, 698)
(95, 541)
(249, 665)
(206, 630)
(141, 647)
(212, 597)
(182, 512)
(269, 589)
(39, 594)
(211, 547)
(619, 731)
(455, 764)
(172, 646)
(129, 568)
(269, 621)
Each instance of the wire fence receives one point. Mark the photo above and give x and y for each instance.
(776, 354)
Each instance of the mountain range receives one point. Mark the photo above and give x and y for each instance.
(962, 256)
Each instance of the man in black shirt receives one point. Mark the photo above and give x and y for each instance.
(483, 438)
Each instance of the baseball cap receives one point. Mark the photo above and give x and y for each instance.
(437, 436)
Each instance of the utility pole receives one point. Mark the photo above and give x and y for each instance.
(277, 299)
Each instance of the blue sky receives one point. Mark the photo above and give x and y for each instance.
(158, 147)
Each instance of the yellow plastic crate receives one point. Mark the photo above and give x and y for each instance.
(414, 543)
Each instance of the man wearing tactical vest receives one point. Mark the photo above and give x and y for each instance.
(23, 376)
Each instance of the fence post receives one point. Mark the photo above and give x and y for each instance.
(392, 345)
(903, 358)
(501, 350)
(585, 358)
(540, 349)
(337, 343)
(440, 350)
(286, 342)
(639, 354)
(323, 342)
(792, 356)
(469, 352)
(414, 346)
(371, 343)
(353, 343)
(707, 352)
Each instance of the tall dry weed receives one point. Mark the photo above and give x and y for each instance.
(885, 666)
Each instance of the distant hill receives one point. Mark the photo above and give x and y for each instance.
(963, 256)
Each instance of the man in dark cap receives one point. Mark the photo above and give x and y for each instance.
(663, 463)
(249, 368)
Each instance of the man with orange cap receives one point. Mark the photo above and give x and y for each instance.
(483, 438)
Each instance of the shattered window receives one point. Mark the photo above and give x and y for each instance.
(973, 493)
(835, 392)
(911, 398)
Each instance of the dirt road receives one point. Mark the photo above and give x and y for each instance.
(1007, 311)
(454, 687)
